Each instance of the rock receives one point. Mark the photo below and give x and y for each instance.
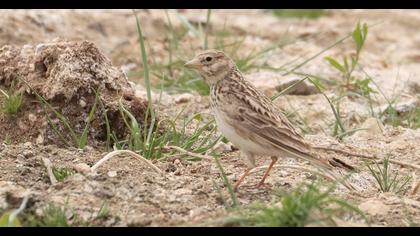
(112, 173)
(88, 148)
(27, 145)
(105, 192)
(398, 144)
(370, 128)
(82, 103)
(303, 88)
(402, 107)
(39, 139)
(27, 153)
(66, 69)
(374, 207)
(196, 212)
(82, 168)
(182, 98)
(22, 126)
(272, 83)
(32, 117)
(407, 106)
(67, 75)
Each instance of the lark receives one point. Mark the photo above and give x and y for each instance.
(248, 118)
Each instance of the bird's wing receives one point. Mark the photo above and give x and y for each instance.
(258, 115)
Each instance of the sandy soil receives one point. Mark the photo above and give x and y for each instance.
(187, 192)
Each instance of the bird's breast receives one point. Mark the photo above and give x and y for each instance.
(241, 140)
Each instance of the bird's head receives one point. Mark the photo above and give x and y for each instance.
(212, 65)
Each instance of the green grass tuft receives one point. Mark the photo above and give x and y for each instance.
(104, 211)
(235, 202)
(52, 216)
(386, 180)
(201, 138)
(12, 101)
(62, 173)
(349, 63)
(304, 205)
(7, 139)
(77, 140)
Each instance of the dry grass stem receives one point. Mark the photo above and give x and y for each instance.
(48, 166)
(131, 153)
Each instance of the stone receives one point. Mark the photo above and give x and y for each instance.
(370, 128)
(82, 103)
(112, 173)
(39, 139)
(183, 98)
(32, 117)
(374, 207)
(82, 168)
(403, 107)
(271, 83)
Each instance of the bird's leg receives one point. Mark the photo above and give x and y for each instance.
(235, 188)
(250, 161)
(273, 161)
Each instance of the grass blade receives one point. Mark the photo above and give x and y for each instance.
(146, 80)
(207, 29)
(84, 137)
(227, 183)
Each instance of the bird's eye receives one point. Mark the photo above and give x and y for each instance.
(209, 59)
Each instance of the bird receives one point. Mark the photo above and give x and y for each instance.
(249, 119)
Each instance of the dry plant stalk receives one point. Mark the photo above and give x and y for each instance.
(415, 187)
(131, 153)
(48, 166)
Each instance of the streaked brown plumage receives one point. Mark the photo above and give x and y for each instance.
(248, 118)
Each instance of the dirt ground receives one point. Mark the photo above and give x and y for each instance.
(186, 194)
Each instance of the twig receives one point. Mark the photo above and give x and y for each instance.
(415, 188)
(190, 153)
(48, 165)
(16, 212)
(131, 153)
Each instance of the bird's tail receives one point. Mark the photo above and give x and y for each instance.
(329, 167)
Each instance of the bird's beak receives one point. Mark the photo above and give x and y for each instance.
(193, 64)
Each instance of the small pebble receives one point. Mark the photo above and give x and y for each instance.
(27, 145)
(112, 173)
(32, 117)
(27, 153)
(82, 103)
(82, 168)
(39, 139)
(182, 98)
